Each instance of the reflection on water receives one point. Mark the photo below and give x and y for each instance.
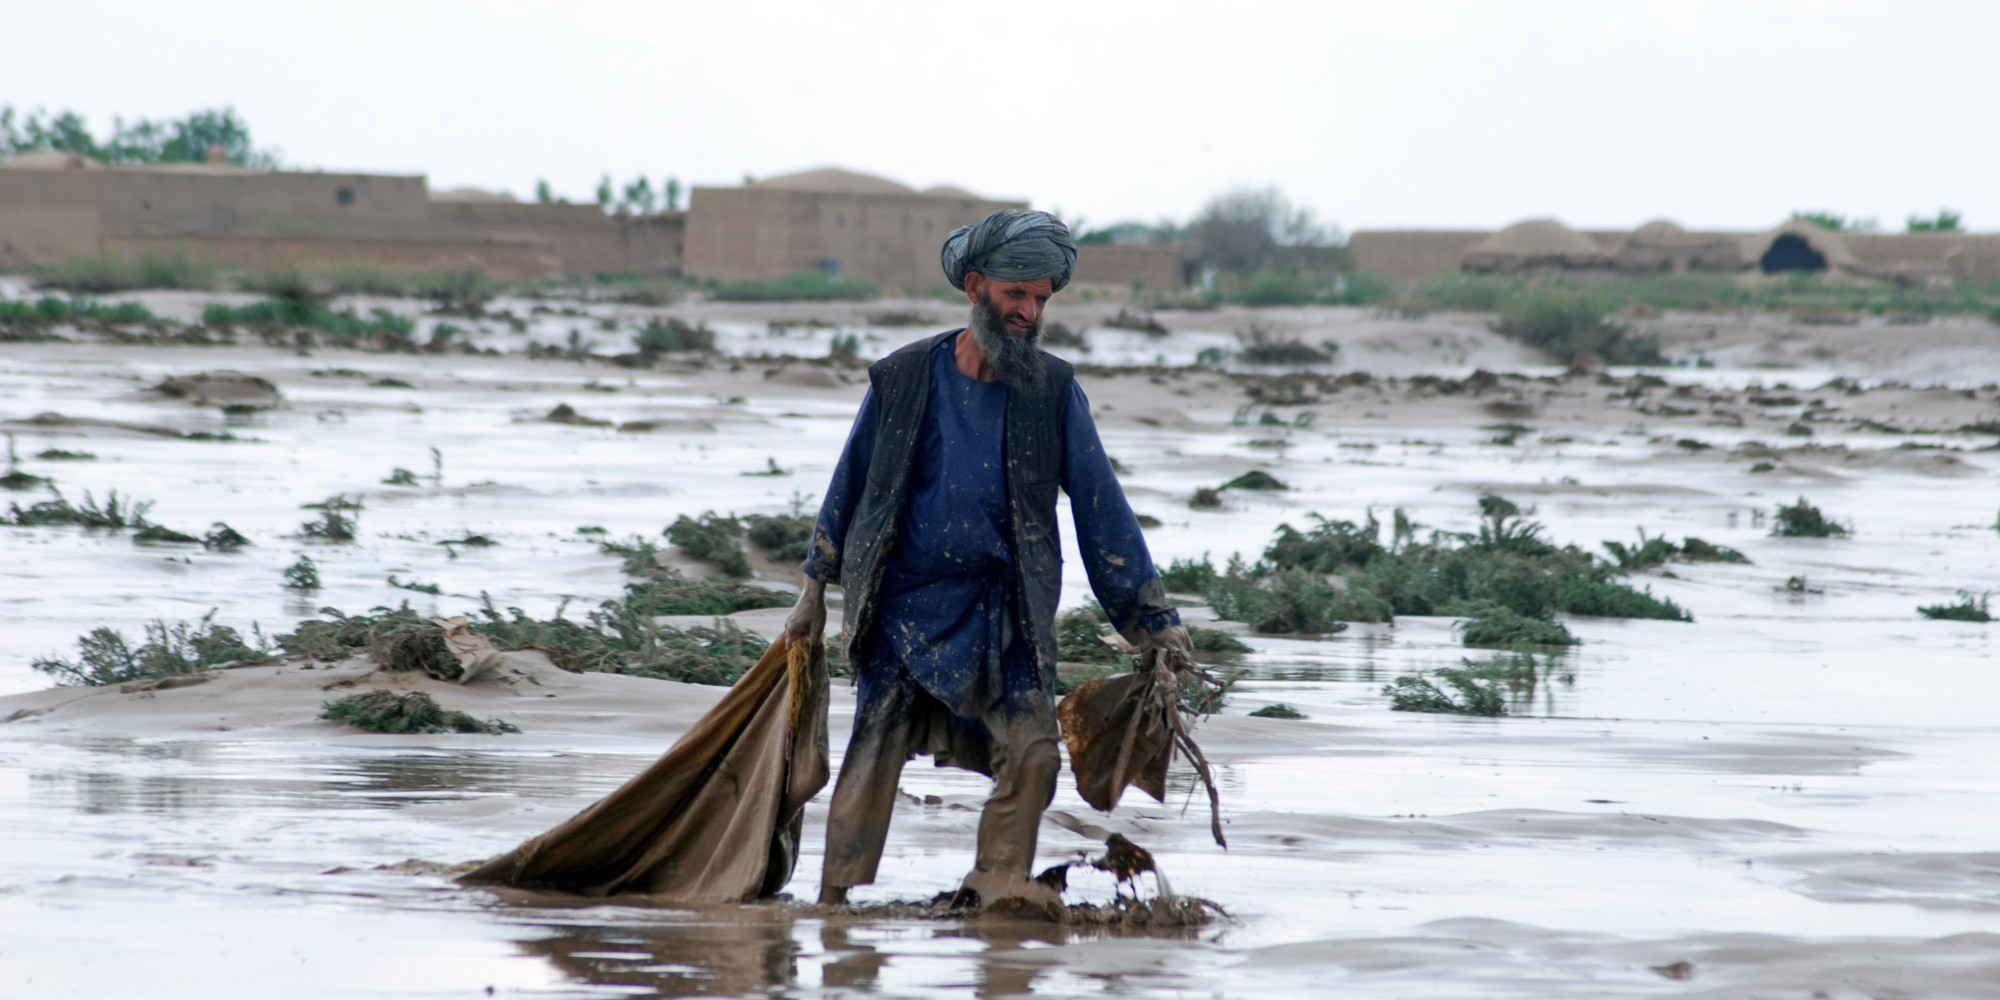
(696, 958)
(778, 949)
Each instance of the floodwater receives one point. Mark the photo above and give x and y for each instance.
(1793, 795)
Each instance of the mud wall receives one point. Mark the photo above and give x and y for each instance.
(1404, 256)
(1130, 267)
(761, 233)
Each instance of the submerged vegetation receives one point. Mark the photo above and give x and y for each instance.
(302, 575)
(406, 712)
(1505, 577)
(1971, 607)
(1657, 550)
(1803, 520)
(1474, 696)
(114, 514)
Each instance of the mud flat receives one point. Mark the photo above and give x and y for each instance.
(1789, 795)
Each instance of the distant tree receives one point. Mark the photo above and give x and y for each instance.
(544, 193)
(181, 140)
(673, 190)
(1946, 221)
(639, 195)
(1238, 229)
(1835, 222)
(604, 191)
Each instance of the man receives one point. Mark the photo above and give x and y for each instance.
(940, 526)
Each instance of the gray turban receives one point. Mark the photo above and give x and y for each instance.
(1011, 246)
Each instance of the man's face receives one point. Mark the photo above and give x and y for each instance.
(1019, 304)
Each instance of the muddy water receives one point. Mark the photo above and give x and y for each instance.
(1792, 794)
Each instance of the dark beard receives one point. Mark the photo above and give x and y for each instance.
(1014, 357)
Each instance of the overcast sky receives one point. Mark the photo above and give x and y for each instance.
(1375, 114)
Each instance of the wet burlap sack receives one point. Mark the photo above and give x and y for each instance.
(715, 820)
(1122, 731)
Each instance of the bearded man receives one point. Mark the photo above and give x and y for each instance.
(940, 525)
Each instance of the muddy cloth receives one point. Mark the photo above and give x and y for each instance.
(897, 719)
(948, 608)
(715, 820)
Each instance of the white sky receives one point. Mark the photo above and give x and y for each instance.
(1376, 114)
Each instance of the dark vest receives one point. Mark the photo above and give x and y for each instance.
(1032, 448)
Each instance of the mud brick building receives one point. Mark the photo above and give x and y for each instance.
(1545, 246)
(832, 221)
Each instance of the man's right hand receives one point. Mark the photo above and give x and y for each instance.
(808, 617)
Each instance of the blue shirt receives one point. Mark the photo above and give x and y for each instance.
(946, 604)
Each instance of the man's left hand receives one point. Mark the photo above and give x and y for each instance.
(1172, 642)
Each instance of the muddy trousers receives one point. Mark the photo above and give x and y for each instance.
(1017, 748)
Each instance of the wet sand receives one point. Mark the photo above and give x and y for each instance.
(1791, 795)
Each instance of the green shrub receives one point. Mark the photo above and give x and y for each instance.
(114, 514)
(60, 455)
(1695, 550)
(1803, 520)
(162, 533)
(1499, 627)
(406, 712)
(1971, 607)
(333, 525)
(1648, 553)
(711, 538)
(788, 536)
(302, 575)
(105, 656)
(1277, 710)
(666, 592)
(304, 312)
(1255, 479)
(641, 556)
(1581, 595)
(50, 309)
(1277, 286)
(1292, 601)
(674, 334)
(1506, 563)
(803, 286)
(1328, 546)
(1188, 576)
(1565, 324)
(1415, 693)
(1215, 640)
